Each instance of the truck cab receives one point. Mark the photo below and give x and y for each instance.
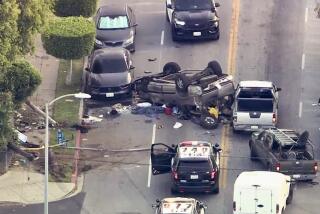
(254, 193)
(255, 106)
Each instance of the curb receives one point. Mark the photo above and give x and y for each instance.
(74, 178)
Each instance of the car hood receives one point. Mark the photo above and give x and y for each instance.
(194, 17)
(113, 35)
(110, 79)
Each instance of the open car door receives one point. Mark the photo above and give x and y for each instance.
(161, 156)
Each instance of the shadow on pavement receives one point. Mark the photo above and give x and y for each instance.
(71, 205)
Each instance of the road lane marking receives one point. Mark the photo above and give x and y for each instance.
(232, 56)
(223, 161)
(162, 37)
(160, 54)
(300, 109)
(233, 37)
(306, 15)
(152, 142)
(303, 61)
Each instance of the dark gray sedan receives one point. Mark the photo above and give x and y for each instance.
(116, 26)
(108, 73)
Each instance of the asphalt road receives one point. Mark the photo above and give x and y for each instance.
(273, 40)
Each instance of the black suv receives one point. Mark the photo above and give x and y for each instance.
(192, 19)
(194, 165)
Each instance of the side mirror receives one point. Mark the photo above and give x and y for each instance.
(278, 89)
(87, 69)
(169, 6)
(202, 205)
(134, 25)
(217, 147)
(132, 67)
(217, 4)
(173, 146)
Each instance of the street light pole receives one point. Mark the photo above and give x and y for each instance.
(46, 145)
(46, 161)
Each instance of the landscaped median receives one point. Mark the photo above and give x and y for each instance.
(66, 113)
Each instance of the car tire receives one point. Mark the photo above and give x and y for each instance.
(253, 156)
(143, 84)
(290, 196)
(173, 190)
(208, 121)
(215, 66)
(182, 82)
(173, 34)
(217, 36)
(171, 68)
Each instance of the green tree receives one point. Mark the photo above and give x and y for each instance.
(9, 14)
(6, 113)
(21, 79)
(32, 19)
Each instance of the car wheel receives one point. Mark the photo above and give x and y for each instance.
(173, 191)
(208, 121)
(142, 85)
(290, 196)
(182, 82)
(215, 66)
(173, 34)
(171, 68)
(217, 36)
(253, 156)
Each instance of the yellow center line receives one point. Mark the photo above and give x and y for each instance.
(232, 53)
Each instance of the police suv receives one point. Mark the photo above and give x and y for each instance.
(179, 205)
(194, 165)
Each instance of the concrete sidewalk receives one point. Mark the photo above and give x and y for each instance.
(48, 67)
(20, 186)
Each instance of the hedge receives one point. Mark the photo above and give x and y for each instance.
(84, 8)
(69, 37)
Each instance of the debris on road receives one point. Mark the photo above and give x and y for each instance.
(177, 125)
(152, 59)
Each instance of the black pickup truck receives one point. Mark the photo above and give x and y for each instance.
(284, 151)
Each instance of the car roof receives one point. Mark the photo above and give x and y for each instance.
(113, 9)
(261, 178)
(112, 53)
(192, 150)
(177, 205)
(255, 83)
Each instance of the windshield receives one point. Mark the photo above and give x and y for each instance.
(193, 5)
(109, 66)
(116, 22)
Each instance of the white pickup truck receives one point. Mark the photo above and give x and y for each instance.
(255, 106)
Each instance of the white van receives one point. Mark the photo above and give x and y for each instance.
(255, 106)
(262, 192)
